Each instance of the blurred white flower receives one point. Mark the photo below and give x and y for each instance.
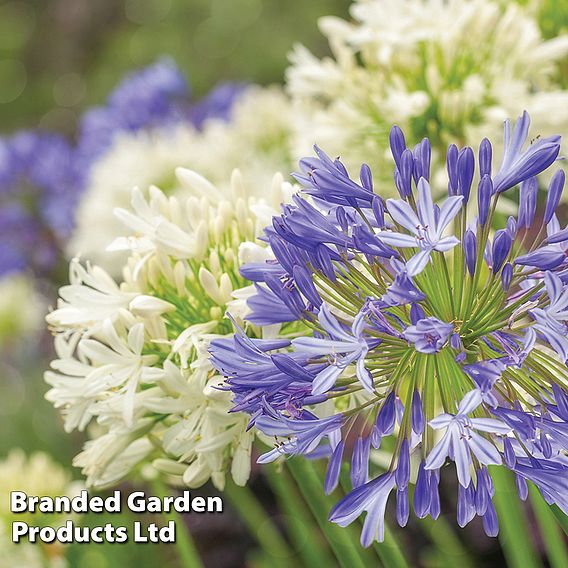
(35, 474)
(451, 70)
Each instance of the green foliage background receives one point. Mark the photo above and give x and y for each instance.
(60, 56)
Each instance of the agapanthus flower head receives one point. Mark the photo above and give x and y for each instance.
(418, 63)
(434, 337)
(156, 96)
(39, 190)
(132, 355)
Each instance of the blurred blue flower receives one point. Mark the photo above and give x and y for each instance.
(38, 194)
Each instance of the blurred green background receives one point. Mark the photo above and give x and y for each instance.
(59, 56)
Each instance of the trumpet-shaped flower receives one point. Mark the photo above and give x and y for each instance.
(427, 226)
(403, 342)
(461, 440)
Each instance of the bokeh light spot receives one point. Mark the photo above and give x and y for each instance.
(60, 119)
(13, 78)
(69, 90)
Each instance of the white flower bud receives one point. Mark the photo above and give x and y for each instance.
(197, 184)
(201, 241)
(149, 306)
(237, 185)
(210, 286)
(215, 263)
(226, 287)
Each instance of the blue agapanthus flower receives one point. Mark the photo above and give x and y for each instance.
(426, 333)
(38, 194)
(155, 96)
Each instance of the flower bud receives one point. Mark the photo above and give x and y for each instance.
(466, 167)
(485, 157)
(527, 202)
(470, 250)
(501, 248)
(484, 192)
(452, 168)
(149, 306)
(397, 144)
(554, 193)
(506, 276)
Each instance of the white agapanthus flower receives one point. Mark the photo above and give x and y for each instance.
(256, 140)
(446, 69)
(132, 356)
(35, 474)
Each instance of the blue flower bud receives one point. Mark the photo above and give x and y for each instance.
(452, 167)
(375, 437)
(422, 493)
(342, 218)
(470, 250)
(506, 276)
(435, 507)
(378, 208)
(501, 248)
(490, 523)
(545, 445)
(466, 167)
(402, 506)
(509, 453)
(417, 414)
(386, 417)
(366, 177)
(455, 341)
(554, 193)
(527, 202)
(484, 193)
(422, 154)
(404, 178)
(522, 488)
(402, 473)
(397, 144)
(485, 157)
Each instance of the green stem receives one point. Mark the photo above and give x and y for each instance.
(514, 534)
(188, 554)
(259, 524)
(549, 530)
(346, 549)
(306, 536)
